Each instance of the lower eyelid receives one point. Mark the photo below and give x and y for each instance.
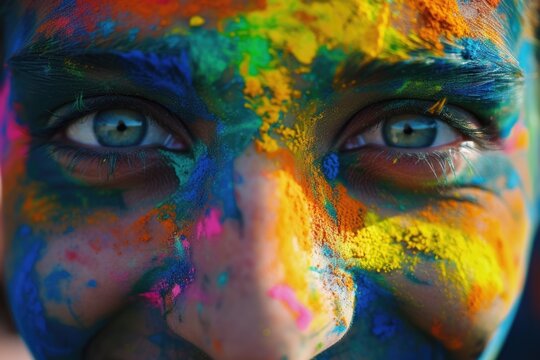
(120, 169)
(413, 170)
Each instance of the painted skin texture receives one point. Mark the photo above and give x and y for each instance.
(279, 225)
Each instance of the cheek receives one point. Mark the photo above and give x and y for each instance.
(455, 266)
(107, 258)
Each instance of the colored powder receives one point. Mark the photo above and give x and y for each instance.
(330, 166)
(451, 342)
(91, 284)
(53, 284)
(210, 225)
(293, 231)
(196, 21)
(223, 279)
(107, 27)
(11, 132)
(471, 49)
(387, 245)
(286, 295)
(176, 290)
(440, 19)
(383, 326)
(438, 107)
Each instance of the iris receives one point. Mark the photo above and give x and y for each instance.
(120, 128)
(409, 132)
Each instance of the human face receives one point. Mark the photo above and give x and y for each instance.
(278, 180)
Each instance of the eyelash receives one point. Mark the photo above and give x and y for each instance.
(77, 158)
(374, 163)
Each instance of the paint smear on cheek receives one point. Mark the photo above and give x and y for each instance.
(210, 225)
(11, 131)
(286, 295)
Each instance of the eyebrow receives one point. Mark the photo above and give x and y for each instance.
(488, 86)
(482, 84)
(166, 79)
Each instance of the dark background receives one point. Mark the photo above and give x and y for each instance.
(523, 342)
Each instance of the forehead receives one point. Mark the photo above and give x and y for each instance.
(392, 29)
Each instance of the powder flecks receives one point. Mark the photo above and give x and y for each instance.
(387, 245)
(438, 107)
(196, 21)
(210, 225)
(440, 20)
(287, 296)
(269, 108)
(330, 166)
(54, 284)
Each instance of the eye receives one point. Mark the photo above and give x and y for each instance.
(121, 128)
(410, 131)
(120, 142)
(406, 143)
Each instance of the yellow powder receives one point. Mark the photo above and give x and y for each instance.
(391, 244)
(196, 21)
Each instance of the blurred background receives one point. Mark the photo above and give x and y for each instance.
(524, 339)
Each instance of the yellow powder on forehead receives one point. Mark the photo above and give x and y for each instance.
(378, 29)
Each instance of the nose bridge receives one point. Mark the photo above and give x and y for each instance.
(267, 255)
(273, 204)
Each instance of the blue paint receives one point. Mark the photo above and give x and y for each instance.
(331, 210)
(92, 284)
(172, 75)
(192, 191)
(383, 326)
(46, 338)
(513, 180)
(107, 27)
(132, 34)
(223, 279)
(471, 49)
(330, 166)
(366, 293)
(53, 284)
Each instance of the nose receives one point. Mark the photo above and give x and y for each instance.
(263, 288)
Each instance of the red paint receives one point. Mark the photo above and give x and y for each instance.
(56, 26)
(71, 255)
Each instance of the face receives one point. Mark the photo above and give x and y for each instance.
(277, 180)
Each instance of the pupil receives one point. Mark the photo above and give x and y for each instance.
(407, 129)
(121, 126)
(410, 131)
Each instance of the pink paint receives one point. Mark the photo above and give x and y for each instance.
(287, 296)
(76, 257)
(153, 298)
(176, 291)
(210, 225)
(9, 128)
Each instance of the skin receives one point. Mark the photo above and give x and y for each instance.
(263, 234)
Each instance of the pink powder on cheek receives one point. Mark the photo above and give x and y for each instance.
(10, 130)
(286, 295)
(210, 225)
